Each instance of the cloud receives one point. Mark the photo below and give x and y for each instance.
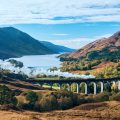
(72, 43)
(58, 11)
(77, 43)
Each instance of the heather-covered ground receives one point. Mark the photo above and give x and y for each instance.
(101, 111)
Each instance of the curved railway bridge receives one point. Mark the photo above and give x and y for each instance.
(78, 82)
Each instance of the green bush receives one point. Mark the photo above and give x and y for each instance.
(21, 105)
(7, 96)
(81, 100)
(75, 99)
(115, 97)
(101, 97)
(65, 103)
(32, 97)
(48, 103)
(89, 99)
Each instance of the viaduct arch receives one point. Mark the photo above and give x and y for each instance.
(95, 82)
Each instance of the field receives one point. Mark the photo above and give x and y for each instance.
(101, 111)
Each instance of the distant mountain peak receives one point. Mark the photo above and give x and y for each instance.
(9, 28)
(117, 34)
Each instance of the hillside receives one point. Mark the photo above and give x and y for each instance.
(105, 46)
(100, 58)
(19, 85)
(15, 43)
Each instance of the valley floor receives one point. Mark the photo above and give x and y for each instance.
(101, 111)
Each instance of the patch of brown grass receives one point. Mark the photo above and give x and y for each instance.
(91, 106)
(99, 113)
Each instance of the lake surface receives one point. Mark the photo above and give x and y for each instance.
(42, 61)
(41, 64)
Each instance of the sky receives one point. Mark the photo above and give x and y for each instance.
(72, 23)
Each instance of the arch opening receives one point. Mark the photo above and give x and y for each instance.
(100, 87)
(75, 87)
(47, 85)
(114, 86)
(108, 86)
(84, 88)
(64, 86)
(56, 86)
(93, 88)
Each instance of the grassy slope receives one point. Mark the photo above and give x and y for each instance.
(109, 112)
(20, 85)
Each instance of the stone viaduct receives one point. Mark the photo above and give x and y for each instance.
(78, 82)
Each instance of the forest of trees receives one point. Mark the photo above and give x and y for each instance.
(111, 71)
(79, 65)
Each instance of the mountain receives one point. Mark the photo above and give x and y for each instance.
(15, 43)
(57, 48)
(108, 48)
(100, 58)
